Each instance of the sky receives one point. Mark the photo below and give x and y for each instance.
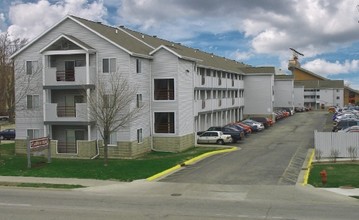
(255, 32)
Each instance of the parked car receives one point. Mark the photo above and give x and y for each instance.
(262, 120)
(7, 134)
(256, 126)
(351, 129)
(236, 134)
(238, 127)
(247, 129)
(344, 124)
(214, 137)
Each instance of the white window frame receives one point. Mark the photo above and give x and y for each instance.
(138, 65)
(174, 89)
(138, 100)
(139, 135)
(32, 65)
(35, 102)
(174, 123)
(113, 139)
(35, 133)
(112, 65)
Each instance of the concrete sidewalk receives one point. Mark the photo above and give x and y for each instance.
(69, 181)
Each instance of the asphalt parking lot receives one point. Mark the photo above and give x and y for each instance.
(271, 157)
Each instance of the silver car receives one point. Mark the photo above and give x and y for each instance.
(214, 137)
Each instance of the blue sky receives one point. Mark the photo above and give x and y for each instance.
(256, 32)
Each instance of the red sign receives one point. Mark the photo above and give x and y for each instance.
(39, 144)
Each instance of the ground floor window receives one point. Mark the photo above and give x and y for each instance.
(33, 133)
(139, 135)
(113, 138)
(164, 122)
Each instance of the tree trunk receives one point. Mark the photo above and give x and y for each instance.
(105, 153)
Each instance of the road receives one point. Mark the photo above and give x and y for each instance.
(271, 157)
(176, 201)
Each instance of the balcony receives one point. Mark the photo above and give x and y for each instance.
(56, 113)
(76, 77)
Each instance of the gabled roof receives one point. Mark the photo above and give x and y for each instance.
(259, 70)
(203, 58)
(310, 73)
(335, 84)
(72, 39)
(139, 44)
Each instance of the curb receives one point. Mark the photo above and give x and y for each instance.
(189, 162)
(307, 166)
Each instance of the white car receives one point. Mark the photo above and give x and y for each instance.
(214, 137)
(351, 129)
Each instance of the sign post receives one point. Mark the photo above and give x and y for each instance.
(38, 144)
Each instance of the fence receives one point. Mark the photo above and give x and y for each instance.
(336, 144)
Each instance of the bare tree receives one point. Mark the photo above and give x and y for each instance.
(8, 46)
(113, 106)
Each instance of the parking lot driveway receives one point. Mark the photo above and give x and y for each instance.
(271, 157)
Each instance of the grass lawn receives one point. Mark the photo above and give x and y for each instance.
(117, 169)
(339, 174)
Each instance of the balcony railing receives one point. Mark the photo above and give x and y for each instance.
(163, 94)
(66, 111)
(66, 147)
(68, 75)
(54, 77)
(60, 113)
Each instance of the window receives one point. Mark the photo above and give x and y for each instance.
(109, 65)
(32, 101)
(113, 138)
(31, 67)
(108, 101)
(164, 89)
(139, 100)
(139, 135)
(138, 66)
(33, 133)
(164, 122)
(338, 97)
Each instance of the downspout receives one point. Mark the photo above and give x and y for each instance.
(150, 108)
(98, 151)
(97, 145)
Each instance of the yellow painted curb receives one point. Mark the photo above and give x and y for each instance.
(309, 165)
(188, 162)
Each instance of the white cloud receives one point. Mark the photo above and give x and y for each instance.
(2, 22)
(324, 68)
(241, 56)
(31, 19)
(311, 26)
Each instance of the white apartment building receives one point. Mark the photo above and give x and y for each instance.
(184, 89)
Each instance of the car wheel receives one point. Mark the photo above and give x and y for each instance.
(220, 142)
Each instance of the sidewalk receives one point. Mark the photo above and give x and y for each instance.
(343, 191)
(69, 181)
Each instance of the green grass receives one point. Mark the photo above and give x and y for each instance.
(339, 175)
(7, 149)
(117, 169)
